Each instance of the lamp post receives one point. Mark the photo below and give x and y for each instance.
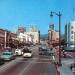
(39, 36)
(51, 37)
(59, 15)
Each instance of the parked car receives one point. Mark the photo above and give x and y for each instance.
(1, 61)
(7, 55)
(27, 52)
(18, 51)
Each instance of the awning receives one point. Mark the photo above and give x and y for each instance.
(69, 49)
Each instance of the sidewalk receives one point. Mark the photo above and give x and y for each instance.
(65, 68)
(66, 63)
(53, 69)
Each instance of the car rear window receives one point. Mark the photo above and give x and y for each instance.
(27, 51)
(6, 53)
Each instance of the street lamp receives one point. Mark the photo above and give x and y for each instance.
(59, 15)
(39, 36)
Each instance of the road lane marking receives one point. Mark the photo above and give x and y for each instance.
(36, 62)
(42, 58)
(38, 58)
(21, 73)
(26, 67)
(7, 65)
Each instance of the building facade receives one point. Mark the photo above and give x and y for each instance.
(33, 36)
(5, 37)
(53, 36)
(70, 34)
(21, 29)
(2, 37)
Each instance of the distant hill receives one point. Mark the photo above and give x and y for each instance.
(44, 36)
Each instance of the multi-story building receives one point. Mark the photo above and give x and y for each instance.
(13, 38)
(21, 29)
(70, 34)
(24, 38)
(53, 35)
(5, 37)
(32, 36)
(2, 37)
(35, 34)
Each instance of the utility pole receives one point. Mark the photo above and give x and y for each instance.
(59, 38)
(51, 37)
(59, 16)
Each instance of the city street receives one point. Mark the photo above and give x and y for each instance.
(37, 37)
(37, 65)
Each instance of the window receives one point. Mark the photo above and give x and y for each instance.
(57, 38)
(71, 37)
(71, 27)
(71, 32)
(71, 42)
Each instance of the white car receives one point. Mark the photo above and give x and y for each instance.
(27, 53)
(18, 52)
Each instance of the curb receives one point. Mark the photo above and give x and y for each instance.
(57, 69)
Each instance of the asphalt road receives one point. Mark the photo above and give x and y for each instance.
(37, 65)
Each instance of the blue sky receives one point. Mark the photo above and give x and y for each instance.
(35, 12)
